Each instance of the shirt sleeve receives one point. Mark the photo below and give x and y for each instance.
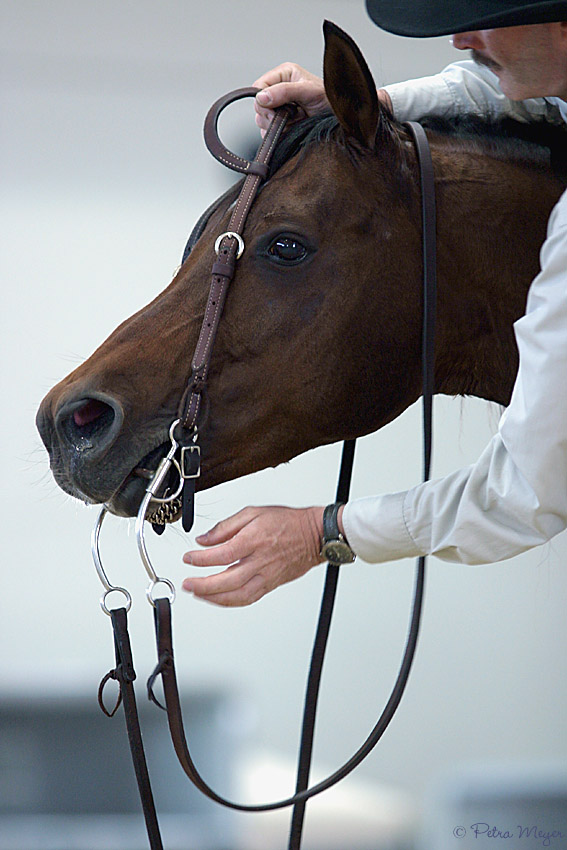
(464, 88)
(515, 496)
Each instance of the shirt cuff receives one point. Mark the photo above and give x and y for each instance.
(376, 530)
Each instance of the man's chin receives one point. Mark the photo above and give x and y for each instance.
(485, 62)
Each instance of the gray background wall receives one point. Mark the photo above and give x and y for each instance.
(103, 173)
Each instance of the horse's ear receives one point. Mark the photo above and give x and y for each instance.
(349, 86)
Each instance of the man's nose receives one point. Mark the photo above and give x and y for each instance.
(468, 40)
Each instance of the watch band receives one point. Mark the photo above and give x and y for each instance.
(335, 548)
(331, 530)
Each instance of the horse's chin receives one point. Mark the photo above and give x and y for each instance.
(126, 500)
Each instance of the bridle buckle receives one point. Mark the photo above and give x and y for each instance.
(234, 235)
(190, 461)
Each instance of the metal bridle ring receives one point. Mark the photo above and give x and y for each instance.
(123, 590)
(234, 235)
(153, 584)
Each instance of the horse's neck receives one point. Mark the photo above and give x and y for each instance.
(492, 218)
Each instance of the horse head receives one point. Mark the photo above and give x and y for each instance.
(320, 335)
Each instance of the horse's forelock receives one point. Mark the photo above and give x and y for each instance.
(325, 128)
(300, 136)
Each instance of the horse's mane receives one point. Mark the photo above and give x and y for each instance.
(535, 143)
(539, 144)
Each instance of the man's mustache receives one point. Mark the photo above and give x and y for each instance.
(484, 60)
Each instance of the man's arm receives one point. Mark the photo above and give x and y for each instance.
(515, 496)
(461, 88)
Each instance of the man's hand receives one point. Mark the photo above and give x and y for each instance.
(288, 83)
(262, 549)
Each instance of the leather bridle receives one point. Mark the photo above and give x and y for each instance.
(184, 455)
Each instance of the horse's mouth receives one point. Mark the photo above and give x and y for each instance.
(126, 500)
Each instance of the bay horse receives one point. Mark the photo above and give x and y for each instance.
(320, 335)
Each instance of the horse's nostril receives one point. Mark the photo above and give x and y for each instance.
(92, 410)
(89, 424)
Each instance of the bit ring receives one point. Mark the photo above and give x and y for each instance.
(151, 587)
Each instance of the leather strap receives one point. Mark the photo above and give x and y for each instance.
(125, 674)
(216, 147)
(222, 270)
(331, 529)
(224, 266)
(318, 652)
(201, 223)
(429, 252)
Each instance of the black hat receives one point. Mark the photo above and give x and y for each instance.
(423, 18)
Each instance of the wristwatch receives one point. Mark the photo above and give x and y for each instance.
(335, 548)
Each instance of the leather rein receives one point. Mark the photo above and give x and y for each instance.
(184, 456)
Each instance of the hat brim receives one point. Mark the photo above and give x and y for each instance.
(425, 18)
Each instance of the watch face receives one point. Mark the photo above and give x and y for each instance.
(337, 552)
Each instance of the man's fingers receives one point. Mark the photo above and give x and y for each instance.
(288, 83)
(231, 588)
(280, 74)
(217, 556)
(263, 547)
(262, 124)
(281, 93)
(230, 579)
(227, 528)
(225, 546)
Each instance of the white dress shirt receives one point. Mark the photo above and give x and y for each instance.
(515, 496)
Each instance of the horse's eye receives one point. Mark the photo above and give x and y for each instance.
(287, 249)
